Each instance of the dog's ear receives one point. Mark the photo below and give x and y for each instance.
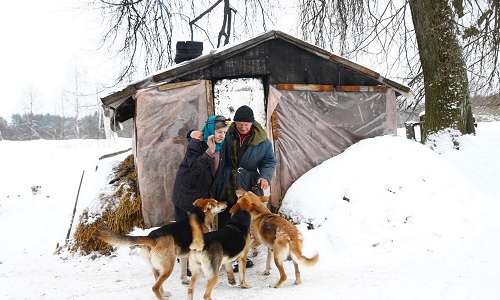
(234, 208)
(259, 208)
(203, 203)
(207, 206)
(246, 204)
(240, 192)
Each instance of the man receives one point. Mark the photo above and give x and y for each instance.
(249, 160)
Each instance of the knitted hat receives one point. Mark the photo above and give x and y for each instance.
(244, 114)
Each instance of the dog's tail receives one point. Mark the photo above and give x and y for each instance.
(306, 261)
(298, 257)
(117, 239)
(198, 243)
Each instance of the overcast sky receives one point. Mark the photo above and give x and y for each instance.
(42, 42)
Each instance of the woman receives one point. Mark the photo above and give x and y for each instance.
(200, 165)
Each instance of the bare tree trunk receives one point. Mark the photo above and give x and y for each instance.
(447, 103)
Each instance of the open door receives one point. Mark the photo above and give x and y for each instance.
(229, 94)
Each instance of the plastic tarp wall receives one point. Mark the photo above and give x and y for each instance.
(163, 116)
(315, 126)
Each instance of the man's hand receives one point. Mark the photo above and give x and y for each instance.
(263, 183)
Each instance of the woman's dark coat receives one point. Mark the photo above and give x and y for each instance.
(195, 175)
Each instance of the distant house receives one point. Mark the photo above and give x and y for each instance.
(313, 104)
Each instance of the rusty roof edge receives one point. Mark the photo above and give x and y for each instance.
(402, 89)
(354, 66)
(126, 92)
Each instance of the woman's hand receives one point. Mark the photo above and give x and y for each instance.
(195, 134)
(211, 143)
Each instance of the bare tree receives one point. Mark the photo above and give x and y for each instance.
(30, 104)
(80, 95)
(442, 45)
(140, 32)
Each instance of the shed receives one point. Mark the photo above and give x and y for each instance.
(313, 104)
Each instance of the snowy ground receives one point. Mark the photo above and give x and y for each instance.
(393, 219)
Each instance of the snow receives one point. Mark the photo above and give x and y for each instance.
(392, 219)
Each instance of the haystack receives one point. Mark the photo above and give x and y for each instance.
(119, 210)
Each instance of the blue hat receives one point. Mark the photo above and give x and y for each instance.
(209, 129)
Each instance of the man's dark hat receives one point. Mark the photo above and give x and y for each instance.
(244, 114)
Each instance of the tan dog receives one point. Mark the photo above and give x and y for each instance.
(162, 246)
(276, 232)
(212, 250)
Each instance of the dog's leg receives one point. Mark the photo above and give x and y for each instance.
(210, 286)
(184, 262)
(230, 273)
(297, 273)
(157, 289)
(242, 271)
(195, 266)
(195, 272)
(167, 267)
(278, 260)
(268, 261)
(255, 244)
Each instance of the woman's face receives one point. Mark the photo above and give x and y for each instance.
(220, 134)
(243, 127)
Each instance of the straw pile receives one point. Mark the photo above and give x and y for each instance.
(119, 211)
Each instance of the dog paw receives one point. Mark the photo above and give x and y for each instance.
(298, 281)
(166, 294)
(245, 286)
(231, 281)
(267, 273)
(186, 282)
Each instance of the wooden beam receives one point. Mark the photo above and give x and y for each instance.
(305, 87)
(117, 96)
(171, 86)
(359, 88)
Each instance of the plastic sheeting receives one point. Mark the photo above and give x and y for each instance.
(315, 126)
(163, 116)
(311, 128)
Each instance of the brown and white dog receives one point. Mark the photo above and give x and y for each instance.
(282, 238)
(212, 250)
(162, 246)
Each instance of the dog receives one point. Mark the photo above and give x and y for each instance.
(212, 250)
(162, 246)
(282, 238)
